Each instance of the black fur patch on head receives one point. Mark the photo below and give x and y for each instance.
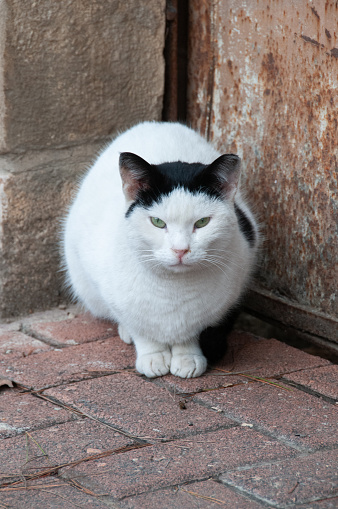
(166, 177)
(194, 177)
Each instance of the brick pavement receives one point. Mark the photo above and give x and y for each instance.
(80, 428)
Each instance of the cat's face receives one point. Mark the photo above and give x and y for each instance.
(182, 232)
(180, 216)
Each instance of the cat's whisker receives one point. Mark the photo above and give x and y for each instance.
(209, 266)
(228, 273)
(225, 259)
(213, 265)
(221, 265)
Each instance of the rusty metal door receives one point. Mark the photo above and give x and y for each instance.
(263, 82)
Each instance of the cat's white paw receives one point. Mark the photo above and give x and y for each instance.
(188, 365)
(124, 335)
(154, 364)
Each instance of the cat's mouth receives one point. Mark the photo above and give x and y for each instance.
(179, 266)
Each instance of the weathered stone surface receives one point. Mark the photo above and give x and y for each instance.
(34, 195)
(78, 71)
(72, 74)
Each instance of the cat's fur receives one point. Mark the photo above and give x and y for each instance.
(166, 287)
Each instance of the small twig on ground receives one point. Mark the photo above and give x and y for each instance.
(36, 487)
(293, 489)
(54, 469)
(36, 443)
(86, 490)
(204, 497)
(228, 373)
(265, 381)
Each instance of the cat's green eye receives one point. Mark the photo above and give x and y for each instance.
(158, 222)
(202, 222)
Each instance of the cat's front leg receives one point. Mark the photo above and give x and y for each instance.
(153, 358)
(187, 360)
(124, 335)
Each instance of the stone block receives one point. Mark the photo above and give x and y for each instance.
(35, 190)
(74, 72)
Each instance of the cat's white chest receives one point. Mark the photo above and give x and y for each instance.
(170, 310)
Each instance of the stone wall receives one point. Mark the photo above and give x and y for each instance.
(71, 75)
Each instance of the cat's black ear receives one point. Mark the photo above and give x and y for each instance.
(135, 174)
(224, 174)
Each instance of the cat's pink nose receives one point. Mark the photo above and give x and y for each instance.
(181, 252)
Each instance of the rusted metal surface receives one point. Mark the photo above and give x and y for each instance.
(263, 82)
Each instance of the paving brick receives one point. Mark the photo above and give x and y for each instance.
(200, 495)
(298, 480)
(70, 441)
(50, 493)
(70, 364)
(321, 380)
(177, 462)
(51, 315)
(79, 329)
(20, 412)
(139, 407)
(250, 355)
(17, 344)
(297, 417)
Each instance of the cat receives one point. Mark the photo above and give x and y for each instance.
(160, 240)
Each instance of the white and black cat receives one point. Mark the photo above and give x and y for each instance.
(160, 240)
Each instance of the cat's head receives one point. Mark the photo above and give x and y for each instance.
(180, 216)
